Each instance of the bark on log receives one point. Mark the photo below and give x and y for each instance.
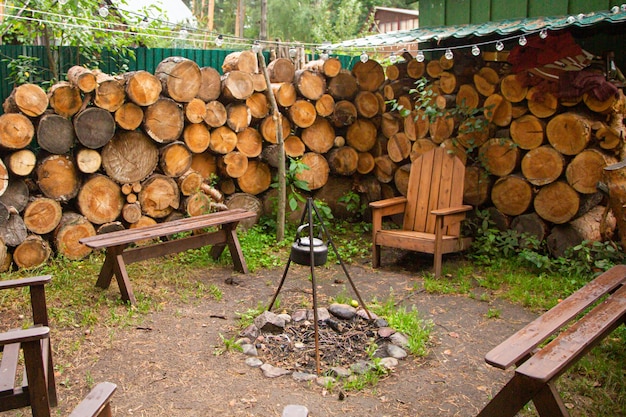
(310, 85)
(57, 177)
(195, 110)
(528, 132)
(55, 133)
(100, 199)
(83, 78)
(249, 142)
(16, 131)
(543, 165)
(557, 202)
(15, 194)
(42, 215)
(561, 238)
(129, 116)
(512, 195)
(237, 85)
(238, 116)
(240, 61)
(215, 114)
(94, 127)
(302, 113)
(597, 225)
(180, 78)
(343, 87)
(569, 133)
(320, 136)
(615, 179)
(65, 99)
(256, 179)
(174, 159)
(499, 156)
(585, 171)
(13, 231)
(197, 137)
(317, 174)
(32, 252)
(29, 99)
(210, 85)
(344, 114)
(110, 227)
(164, 120)
(159, 196)
(142, 88)
(130, 157)
(20, 163)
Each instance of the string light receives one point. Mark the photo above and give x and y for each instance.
(293, 52)
(103, 11)
(475, 50)
(324, 55)
(543, 33)
(393, 58)
(420, 56)
(522, 40)
(499, 46)
(183, 34)
(219, 41)
(256, 47)
(364, 57)
(449, 54)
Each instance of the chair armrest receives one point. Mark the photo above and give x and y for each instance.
(97, 399)
(24, 335)
(389, 206)
(25, 282)
(451, 210)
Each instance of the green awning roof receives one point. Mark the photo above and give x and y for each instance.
(502, 27)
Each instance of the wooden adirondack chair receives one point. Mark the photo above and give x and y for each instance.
(433, 210)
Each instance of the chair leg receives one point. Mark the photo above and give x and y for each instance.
(511, 398)
(36, 375)
(375, 255)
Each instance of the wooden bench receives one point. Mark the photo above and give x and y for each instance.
(118, 252)
(537, 368)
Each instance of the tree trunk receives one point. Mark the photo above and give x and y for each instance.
(42, 215)
(65, 99)
(129, 116)
(180, 78)
(57, 178)
(159, 196)
(320, 136)
(543, 165)
(197, 137)
(94, 127)
(256, 179)
(33, 251)
(557, 202)
(130, 157)
(528, 132)
(569, 133)
(211, 84)
(512, 195)
(164, 121)
(142, 88)
(310, 85)
(16, 131)
(68, 233)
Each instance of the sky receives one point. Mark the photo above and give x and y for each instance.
(174, 11)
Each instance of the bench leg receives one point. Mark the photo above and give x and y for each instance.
(511, 398)
(114, 265)
(239, 262)
(548, 402)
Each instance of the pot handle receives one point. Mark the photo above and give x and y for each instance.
(306, 225)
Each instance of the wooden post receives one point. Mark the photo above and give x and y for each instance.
(282, 186)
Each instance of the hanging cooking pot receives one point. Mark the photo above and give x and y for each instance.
(301, 249)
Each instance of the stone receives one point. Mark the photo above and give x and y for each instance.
(273, 371)
(324, 381)
(360, 367)
(399, 339)
(396, 352)
(342, 311)
(380, 322)
(389, 363)
(251, 332)
(254, 362)
(299, 315)
(303, 376)
(286, 317)
(249, 349)
(322, 314)
(340, 372)
(292, 410)
(363, 314)
(269, 322)
(386, 331)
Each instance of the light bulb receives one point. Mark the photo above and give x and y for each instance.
(449, 55)
(219, 41)
(103, 11)
(393, 58)
(183, 33)
(324, 55)
(623, 7)
(543, 33)
(256, 47)
(144, 23)
(292, 52)
(420, 56)
(614, 9)
(364, 57)
(580, 16)
(499, 46)
(570, 19)
(522, 40)
(475, 50)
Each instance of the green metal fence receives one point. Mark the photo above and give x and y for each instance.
(140, 59)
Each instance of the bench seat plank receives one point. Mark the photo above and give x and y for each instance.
(554, 358)
(521, 344)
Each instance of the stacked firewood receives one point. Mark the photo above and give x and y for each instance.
(100, 153)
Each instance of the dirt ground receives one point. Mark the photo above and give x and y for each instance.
(168, 366)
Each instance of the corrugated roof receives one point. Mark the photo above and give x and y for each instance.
(502, 27)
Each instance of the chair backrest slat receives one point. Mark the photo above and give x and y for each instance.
(435, 182)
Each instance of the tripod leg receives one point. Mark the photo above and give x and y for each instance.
(282, 281)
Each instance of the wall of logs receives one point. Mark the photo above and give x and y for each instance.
(97, 153)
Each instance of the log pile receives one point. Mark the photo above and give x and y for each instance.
(100, 153)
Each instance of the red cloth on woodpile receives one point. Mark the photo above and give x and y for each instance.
(539, 52)
(575, 84)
